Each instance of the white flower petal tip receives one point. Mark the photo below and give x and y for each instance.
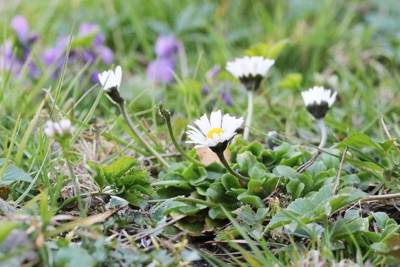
(211, 132)
(61, 128)
(318, 101)
(317, 95)
(249, 66)
(111, 79)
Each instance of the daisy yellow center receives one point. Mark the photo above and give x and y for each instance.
(213, 131)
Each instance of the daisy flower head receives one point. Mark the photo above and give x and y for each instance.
(111, 81)
(61, 128)
(250, 70)
(215, 132)
(318, 101)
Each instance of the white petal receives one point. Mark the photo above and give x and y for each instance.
(118, 76)
(215, 119)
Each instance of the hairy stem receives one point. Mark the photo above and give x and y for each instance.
(75, 182)
(167, 116)
(250, 96)
(138, 136)
(221, 157)
(324, 132)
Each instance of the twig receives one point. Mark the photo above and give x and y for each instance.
(143, 235)
(388, 134)
(339, 171)
(380, 197)
(304, 167)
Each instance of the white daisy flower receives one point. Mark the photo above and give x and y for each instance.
(318, 100)
(249, 67)
(214, 131)
(111, 82)
(62, 128)
(110, 79)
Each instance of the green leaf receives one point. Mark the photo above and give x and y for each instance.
(196, 175)
(229, 181)
(387, 145)
(99, 176)
(246, 160)
(13, 174)
(382, 219)
(266, 50)
(5, 228)
(349, 225)
(258, 171)
(74, 256)
(270, 184)
(217, 193)
(194, 228)
(165, 207)
(307, 210)
(360, 141)
(286, 171)
(255, 187)
(291, 81)
(292, 160)
(254, 201)
(119, 167)
(255, 148)
(84, 41)
(295, 187)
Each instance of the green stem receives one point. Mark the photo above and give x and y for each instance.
(138, 136)
(250, 96)
(167, 117)
(146, 132)
(229, 169)
(75, 182)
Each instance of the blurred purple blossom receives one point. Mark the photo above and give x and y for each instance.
(166, 46)
(82, 55)
(99, 49)
(14, 56)
(21, 28)
(161, 70)
(226, 98)
(8, 61)
(223, 87)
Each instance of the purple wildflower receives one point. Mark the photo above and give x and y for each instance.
(105, 53)
(226, 98)
(166, 46)
(8, 61)
(161, 70)
(21, 28)
(87, 29)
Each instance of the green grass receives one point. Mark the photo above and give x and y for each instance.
(135, 211)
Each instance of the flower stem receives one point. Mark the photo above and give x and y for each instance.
(75, 182)
(138, 136)
(221, 157)
(250, 96)
(167, 116)
(324, 133)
